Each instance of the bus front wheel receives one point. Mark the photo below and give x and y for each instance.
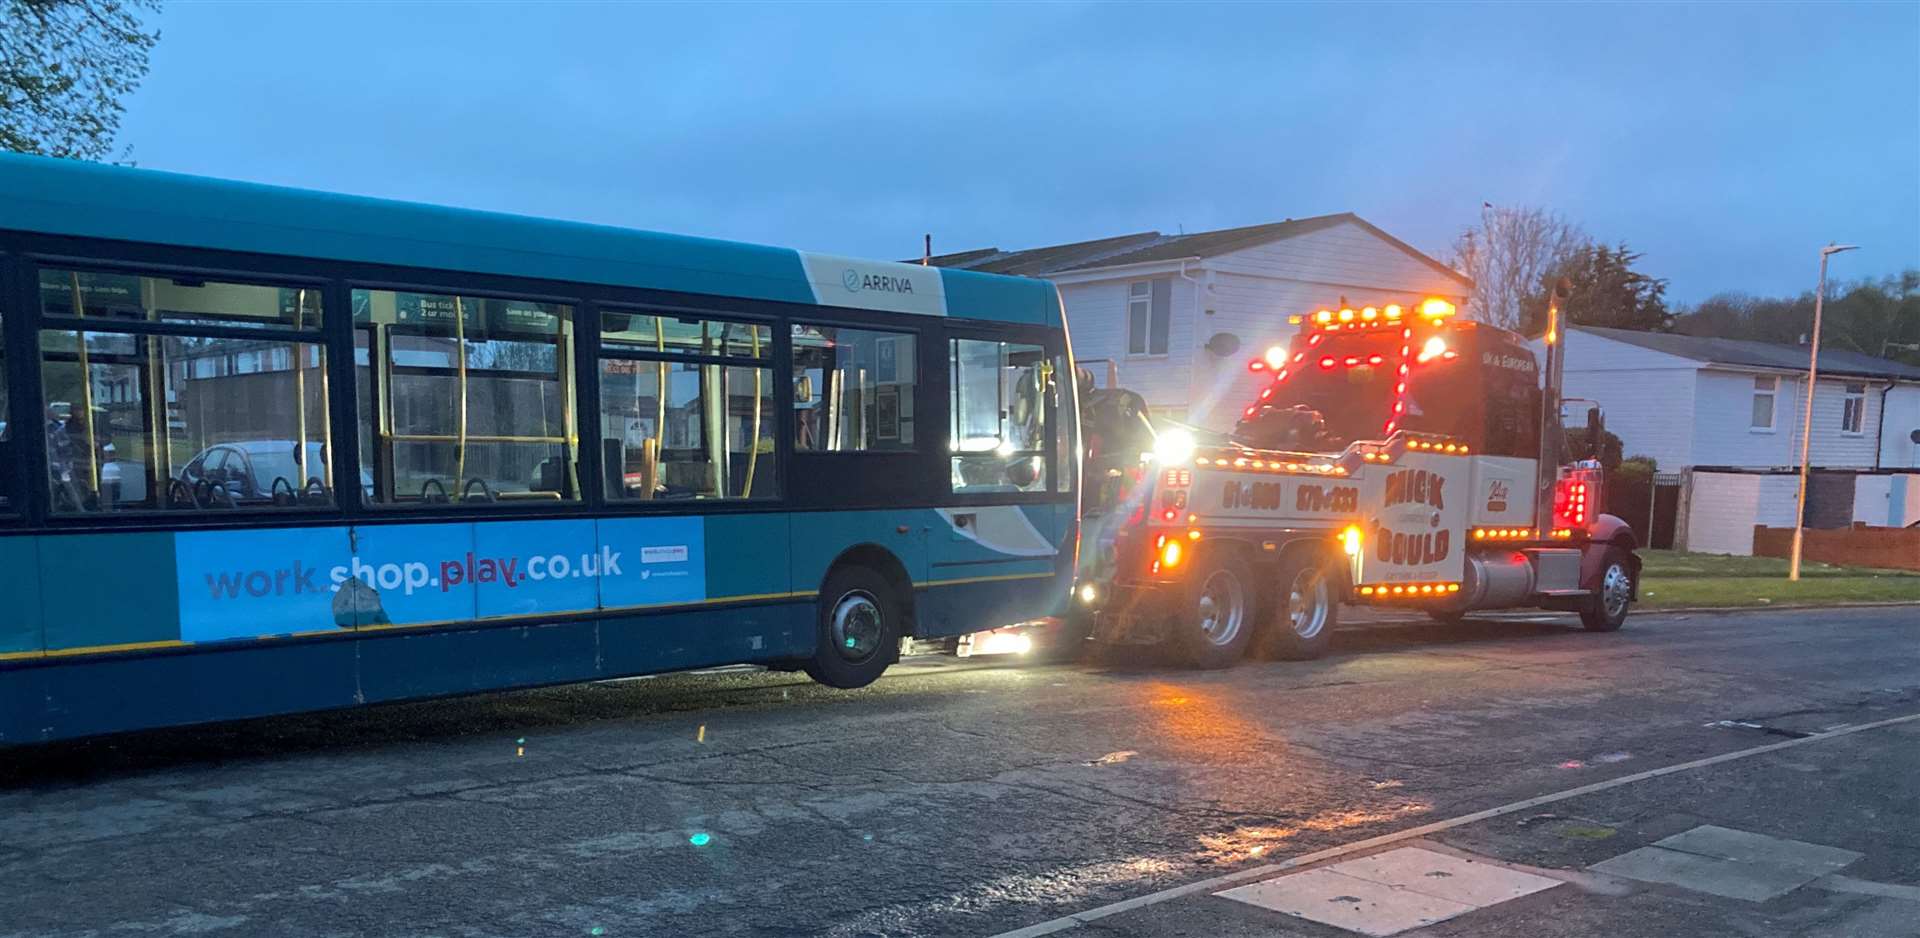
(859, 628)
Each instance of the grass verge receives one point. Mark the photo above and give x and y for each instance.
(1670, 579)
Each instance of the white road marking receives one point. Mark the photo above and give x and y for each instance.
(1267, 870)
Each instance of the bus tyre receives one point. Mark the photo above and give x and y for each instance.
(1606, 609)
(859, 629)
(1213, 622)
(1307, 601)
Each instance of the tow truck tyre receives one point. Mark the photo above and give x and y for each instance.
(859, 629)
(1212, 627)
(1606, 610)
(1309, 608)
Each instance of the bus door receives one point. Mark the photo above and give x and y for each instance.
(862, 441)
(1007, 506)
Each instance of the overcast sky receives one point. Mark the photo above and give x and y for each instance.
(1727, 142)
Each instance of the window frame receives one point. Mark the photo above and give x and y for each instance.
(1853, 408)
(17, 506)
(1053, 346)
(25, 291)
(1773, 403)
(456, 507)
(778, 360)
(1146, 341)
(23, 252)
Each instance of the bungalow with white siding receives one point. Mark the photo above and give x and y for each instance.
(1177, 317)
(1727, 414)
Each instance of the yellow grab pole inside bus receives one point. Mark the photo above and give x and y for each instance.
(86, 391)
(753, 438)
(460, 415)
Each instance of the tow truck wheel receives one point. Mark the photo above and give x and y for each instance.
(1212, 627)
(1606, 610)
(1308, 608)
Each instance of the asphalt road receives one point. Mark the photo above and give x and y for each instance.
(972, 798)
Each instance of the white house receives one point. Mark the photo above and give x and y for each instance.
(1179, 316)
(1728, 413)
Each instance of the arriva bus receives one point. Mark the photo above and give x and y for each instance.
(265, 450)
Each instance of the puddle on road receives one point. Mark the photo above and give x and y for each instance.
(1256, 840)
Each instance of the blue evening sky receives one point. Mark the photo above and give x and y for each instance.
(1726, 141)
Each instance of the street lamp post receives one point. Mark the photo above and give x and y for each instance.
(1806, 410)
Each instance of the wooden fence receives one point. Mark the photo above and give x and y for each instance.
(1857, 546)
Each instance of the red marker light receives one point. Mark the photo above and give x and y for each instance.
(1326, 362)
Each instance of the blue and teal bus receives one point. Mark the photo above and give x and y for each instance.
(265, 450)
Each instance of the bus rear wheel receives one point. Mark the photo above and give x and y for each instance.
(859, 628)
(1214, 622)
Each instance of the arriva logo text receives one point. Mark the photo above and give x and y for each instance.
(856, 282)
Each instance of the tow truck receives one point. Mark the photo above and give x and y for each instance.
(1398, 456)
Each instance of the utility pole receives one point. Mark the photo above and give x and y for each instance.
(1806, 410)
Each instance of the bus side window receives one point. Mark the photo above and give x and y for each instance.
(9, 453)
(687, 407)
(863, 385)
(132, 410)
(471, 398)
(998, 435)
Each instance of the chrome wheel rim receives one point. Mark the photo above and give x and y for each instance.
(856, 626)
(1222, 607)
(1307, 603)
(1616, 590)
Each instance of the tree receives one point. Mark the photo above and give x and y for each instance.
(65, 66)
(1872, 317)
(1509, 255)
(1607, 291)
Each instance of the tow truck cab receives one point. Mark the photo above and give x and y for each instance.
(1393, 458)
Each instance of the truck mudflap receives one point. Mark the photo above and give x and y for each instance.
(1135, 614)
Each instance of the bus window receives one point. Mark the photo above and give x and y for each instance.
(686, 408)
(998, 406)
(9, 456)
(471, 398)
(133, 415)
(853, 390)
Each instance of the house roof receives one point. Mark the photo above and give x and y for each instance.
(1744, 353)
(1150, 246)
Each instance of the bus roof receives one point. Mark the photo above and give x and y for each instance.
(94, 200)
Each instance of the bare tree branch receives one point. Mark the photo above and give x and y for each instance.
(1508, 255)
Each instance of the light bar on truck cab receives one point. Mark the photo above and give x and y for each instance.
(1228, 460)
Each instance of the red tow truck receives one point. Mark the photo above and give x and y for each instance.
(1397, 457)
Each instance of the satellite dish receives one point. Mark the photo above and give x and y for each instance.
(1914, 436)
(1223, 344)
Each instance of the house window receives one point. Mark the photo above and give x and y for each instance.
(1854, 411)
(1764, 390)
(1149, 307)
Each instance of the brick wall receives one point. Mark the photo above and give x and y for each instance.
(1858, 546)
